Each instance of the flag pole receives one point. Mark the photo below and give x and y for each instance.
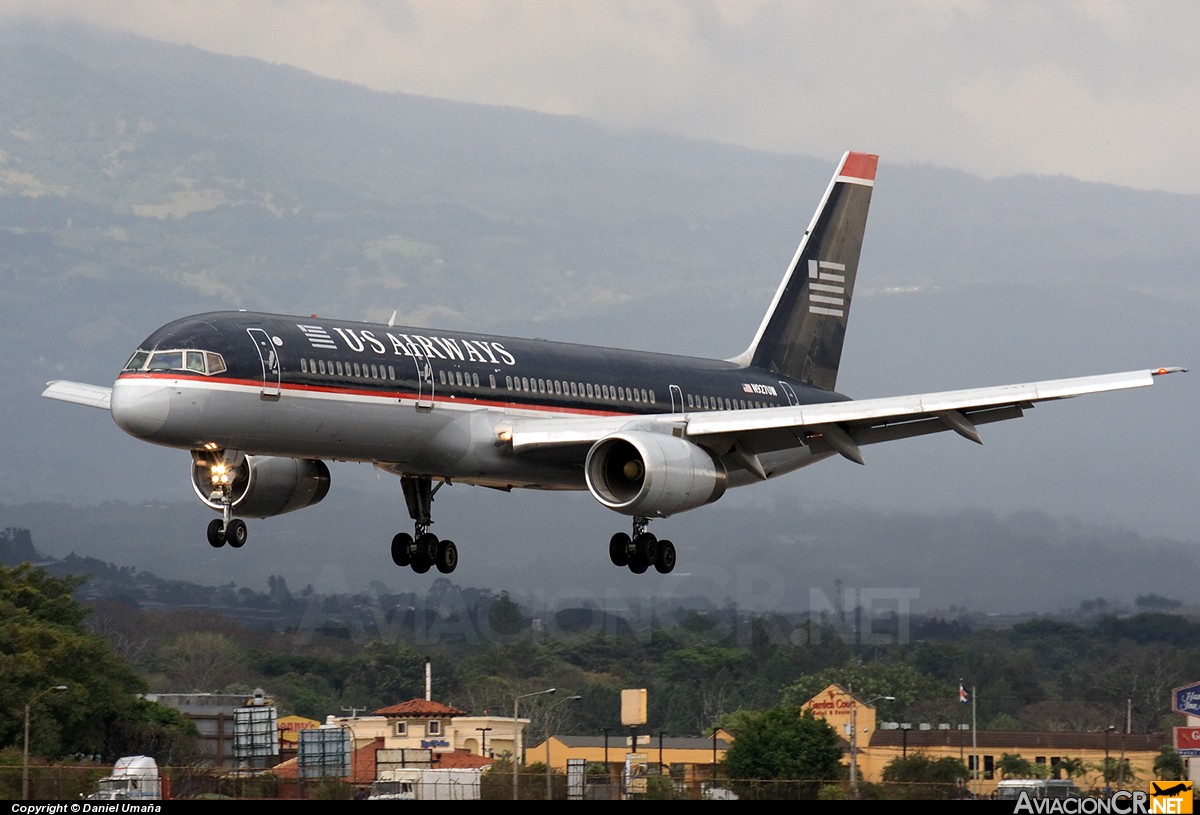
(974, 741)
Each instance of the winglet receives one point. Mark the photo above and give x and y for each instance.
(1165, 371)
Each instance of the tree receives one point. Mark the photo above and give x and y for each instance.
(43, 643)
(1168, 765)
(922, 778)
(783, 744)
(1012, 765)
(1072, 768)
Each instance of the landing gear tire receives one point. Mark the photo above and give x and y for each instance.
(646, 546)
(665, 562)
(236, 533)
(637, 565)
(425, 552)
(216, 533)
(427, 547)
(618, 549)
(402, 549)
(447, 557)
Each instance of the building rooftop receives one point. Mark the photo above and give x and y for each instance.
(420, 709)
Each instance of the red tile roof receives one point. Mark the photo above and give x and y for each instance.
(420, 708)
(460, 759)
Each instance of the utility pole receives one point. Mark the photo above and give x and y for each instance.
(25, 761)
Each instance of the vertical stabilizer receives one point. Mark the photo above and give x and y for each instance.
(802, 334)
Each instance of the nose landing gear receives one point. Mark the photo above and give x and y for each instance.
(225, 529)
(641, 550)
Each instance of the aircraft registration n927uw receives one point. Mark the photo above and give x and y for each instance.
(262, 401)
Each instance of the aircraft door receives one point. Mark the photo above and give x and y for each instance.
(676, 399)
(270, 363)
(791, 394)
(424, 382)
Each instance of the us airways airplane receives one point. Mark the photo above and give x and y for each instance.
(262, 401)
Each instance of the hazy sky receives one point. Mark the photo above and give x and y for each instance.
(1100, 90)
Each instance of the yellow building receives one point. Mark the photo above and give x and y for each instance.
(879, 745)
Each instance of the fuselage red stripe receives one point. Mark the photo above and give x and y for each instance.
(458, 399)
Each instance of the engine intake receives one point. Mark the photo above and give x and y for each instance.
(648, 474)
(265, 486)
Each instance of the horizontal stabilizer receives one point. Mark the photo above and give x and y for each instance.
(79, 393)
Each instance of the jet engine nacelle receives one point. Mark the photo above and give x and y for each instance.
(648, 474)
(264, 486)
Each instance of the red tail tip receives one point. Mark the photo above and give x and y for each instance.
(860, 165)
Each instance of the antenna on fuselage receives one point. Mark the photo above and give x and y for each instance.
(392, 321)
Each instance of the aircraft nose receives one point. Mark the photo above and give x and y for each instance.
(140, 408)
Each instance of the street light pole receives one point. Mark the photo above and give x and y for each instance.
(547, 728)
(1107, 730)
(854, 739)
(517, 735)
(25, 760)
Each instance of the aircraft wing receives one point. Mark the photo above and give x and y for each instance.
(79, 393)
(840, 427)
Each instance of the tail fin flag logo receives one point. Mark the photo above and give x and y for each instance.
(830, 288)
(962, 693)
(1171, 797)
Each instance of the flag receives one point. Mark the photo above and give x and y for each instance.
(962, 693)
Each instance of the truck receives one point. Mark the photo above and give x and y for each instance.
(133, 778)
(424, 784)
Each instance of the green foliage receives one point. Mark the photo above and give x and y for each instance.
(659, 788)
(1168, 764)
(920, 777)
(1012, 765)
(870, 680)
(43, 643)
(1115, 771)
(1071, 767)
(784, 743)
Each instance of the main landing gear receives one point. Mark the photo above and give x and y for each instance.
(641, 550)
(225, 529)
(422, 550)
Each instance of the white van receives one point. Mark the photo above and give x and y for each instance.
(1010, 789)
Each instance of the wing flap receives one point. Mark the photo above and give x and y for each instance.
(79, 393)
(830, 426)
(893, 409)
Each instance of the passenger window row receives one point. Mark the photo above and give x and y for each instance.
(522, 384)
(697, 402)
(384, 373)
(525, 384)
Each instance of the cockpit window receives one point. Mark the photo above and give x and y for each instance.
(216, 362)
(166, 361)
(137, 361)
(201, 362)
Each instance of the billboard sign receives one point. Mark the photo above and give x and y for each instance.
(1187, 741)
(1186, 700)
